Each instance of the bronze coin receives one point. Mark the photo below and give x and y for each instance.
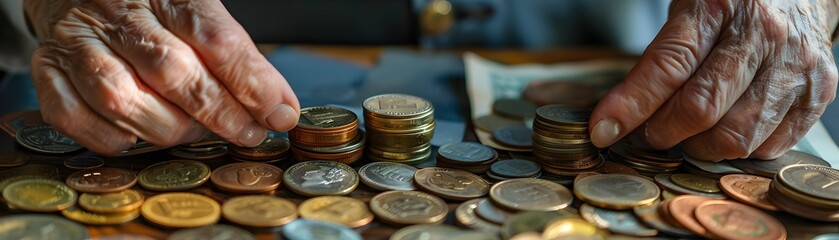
(247, 177)
(752, 190)
(12, 159)
(682, 210)
(451, 183)
(730, 220)
(102, 180)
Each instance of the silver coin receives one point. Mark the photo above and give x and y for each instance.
(621, 222)
(713, 167)
(397, 105)
(664, 181)
(83, 162)
(519, 137)
(212, 232)
(515, 168)
(388, 176)
(466, 152)
(768, 168)
(302, 229)
(564, 114)
(45, 139)
(42, 227)
(649, 215)
(12, 159)
(487, 210)
(317, 178)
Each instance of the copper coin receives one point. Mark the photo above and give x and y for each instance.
(651, 216)
(102, 180)
(730, 220)
(12, 159)
(682, 210)
(451, 183)
(752, 190)
(247, 177)
(559, 91)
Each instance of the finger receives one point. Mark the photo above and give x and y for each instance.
(681, 45)
(232, 57)
(63, 108)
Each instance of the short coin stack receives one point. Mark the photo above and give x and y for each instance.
(468, 156)
(561, 142)
(647, 162)
(327, 133)
(513, 168)
(210, 147)
(808, 191)
(273, 149)
(399, 128)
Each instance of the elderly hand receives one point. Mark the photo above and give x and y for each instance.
(111, 71)
(727, 79)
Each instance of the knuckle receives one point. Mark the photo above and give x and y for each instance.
(731, 144)
(700, 107)
(675, 57)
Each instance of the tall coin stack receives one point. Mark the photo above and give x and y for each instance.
(561, 143)
(327, 133)
(399, 128)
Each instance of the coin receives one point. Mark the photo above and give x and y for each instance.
(713, 167)
(92, 218)
(616, 191)
(174, 175)
(45, 139)
(180, 152)
(696, 183)
(388, 176)
(83, 162)
(512, 136)
(12, 159)
(41, 227)
(39, 195)
(397, 105)
(451, 183)
(325, 117)
(181, 210)
(814, 180)
(620, 222)
(513, 108)
(117, 202)
(749, 189)
(730, 220)
(408, 207)
(273, 147)
(347, 211)
(682, 209)
(491, 122)
(564, 114)
(650, 216)
(545, 92)
(466, 152)
(795, 208)
(466, 216)
(259, 211)
(102, 180)
(768, 168)
(426, 232)
(318, 178)
(530, 221)
(531, 194)
(664, 181)
(573, 228)
(827, 236)
(515, 168)
(218, 231)
(247, 177)
(302, 229)
(489, 211)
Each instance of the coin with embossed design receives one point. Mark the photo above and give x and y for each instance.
(695, 182)
(408, 207)
(247, 177)
(174, 175)
(616, 191)
(752, 190)
(39, 195)
(45, 139)
(466, 215)
(259, 211)
(396, 105)
(102, 180)
(621, 222)
(812, 180)
(530, 194)
(466, 152)
(347, 211)
(768, 168)
(41, 227)
(451, 183)
(181, 210)
(730, 220)
(318, 178)
(116, 202)
(387, 176)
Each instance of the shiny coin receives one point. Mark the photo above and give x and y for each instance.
(813, 180)
(491, 122)
(752, 190)
(621, 222)
(247, 177)
(259, 211)
(530, 221)
(41, 227)
(531, 194)
(117, 202)
(388, 176)
(84, 162)
(518, 137)
(174, 175)
(12, 159)
(573, 228)
(468, 152)
(681, 209)
(616, 191)
(397, 105)
(303, 229)
(347, 211)
(408, 207)
(181, 210)
(426, 232)
(650, 216)
(92, 218)
(45, 139)
(102, 180)
(730, 220)
(318, 178)
(219, 231)
(696, 183)
(796, 208)
(489, 211)
(467, 217)
(325, 117)
(39, 195)
(664, 181)
(451, 183)
(768, 168)
(515, 168)
(513, 108)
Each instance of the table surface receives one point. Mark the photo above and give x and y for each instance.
(797, 228)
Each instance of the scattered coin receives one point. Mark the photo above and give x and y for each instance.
(696, 183)
(218, 231)
(39, 195)
(83, 162)
(181, 210)
(174, 175)
(302, 229)
(730, 220)
(426, 231)
(318, 178)
(650, 216)
(408, 207)
(273, 148)
(682, 208)
(530, 221)
(41, 227)
(616, 191)
(12, 159)
(531, 194)
(466, 216)
(620, 222)
(259, 211)
(102, 180)
(515, 168)
(92, 218)
(573, 228)
(387, 176)
(513, 108)
(749, 189)
(347, 211)
(468, 152)
(768, 168)
(45, 139)
(451, 183)
(489, 211)
(247, 177)
(664, 181)
(116, 202)
(513, 136)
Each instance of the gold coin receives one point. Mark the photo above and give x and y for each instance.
(39, 195)
(573, 228)
(319, 178)
(259, 211)
(530, 194)
(696, 183)
(181, 210)
(408, 207)
(347, 211)
(118, 202)
(174, 175)
(396, 106)
(451, 183)
(530, 221)
(616, 191)
(82, 216)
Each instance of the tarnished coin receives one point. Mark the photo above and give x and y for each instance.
(469, 152)
(39, 195)
(682, 208)
(451, 183)
(12, 159)
(489, 211)
(247, 177)
(397, 105)
(530, 221)
(573, 228)
(466, 216)
(513, 108)
(512, 136)
(218, 231)
(515, 168)
(174, 175)
(564, 114)
(318, 178)
(616, 191)
(491, 122)
(346, 211)
(621, 222)
(650, 216)
(531, 194)
(408, 207)
(45, 139)
(84, 162)
(302, 229)
(813, 180)
(752, 190)
(730, 220)
(664, 181)
(259, 211)
(181, 210)
(102, 180)
(696, 183)
(117, 202)
(387, 176)
(92, 218)
(768, 168)
(426, 232)
(41, 227)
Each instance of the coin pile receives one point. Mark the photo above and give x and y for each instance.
(399, 128)
(210, 148)
(273, 149)
(561, 142)
(808, 191)
(646, 161)
(468, 156)
(327, 133)
(513, 168)
(702, 216)
(768, 168)
(689, 184)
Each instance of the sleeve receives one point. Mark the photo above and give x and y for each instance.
(16, 42)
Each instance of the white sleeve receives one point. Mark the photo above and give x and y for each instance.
(16, 43)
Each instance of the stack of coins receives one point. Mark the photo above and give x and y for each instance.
(399, 128)
(561, 142)
(327, 133)
(647, 162)
(468, 156)
(513, 168)
(273, 149)
(210, 147)
(808, 191)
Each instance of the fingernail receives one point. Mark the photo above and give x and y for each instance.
(252, 135)
(283, 118)
(605, 133)
(195, 134)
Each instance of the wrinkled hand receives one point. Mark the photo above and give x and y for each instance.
(111, 71)
(727, 79)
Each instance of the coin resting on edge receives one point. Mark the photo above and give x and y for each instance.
(318, 178)
(346, 211)
(247, 177)
(181, 210)
(616, 191)
(45, 139)
(259, 211)
(39, 195)
(117, 202)
(388, 176)
(408, 207)
(451, 183)
(174, 175)
(102, 180)
(531, 194)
